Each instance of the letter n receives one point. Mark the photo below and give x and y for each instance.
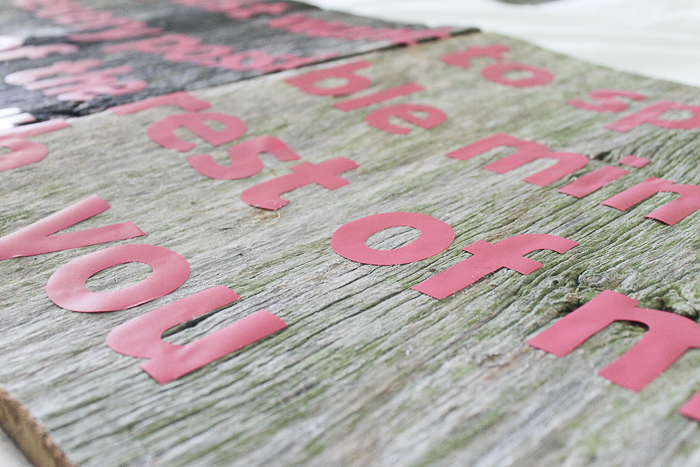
(668, 338)
(687, 203)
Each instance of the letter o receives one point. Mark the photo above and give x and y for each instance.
(349, 240)
(66, 287)
(497, 71)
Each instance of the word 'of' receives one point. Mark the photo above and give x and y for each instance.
(349, 241)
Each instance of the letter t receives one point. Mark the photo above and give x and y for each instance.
(266, 195)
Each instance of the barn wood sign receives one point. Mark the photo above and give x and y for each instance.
(429, 255)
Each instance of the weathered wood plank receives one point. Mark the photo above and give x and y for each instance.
(369, 371)
(164, 73)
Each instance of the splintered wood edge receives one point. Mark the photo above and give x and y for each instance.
(29, 435)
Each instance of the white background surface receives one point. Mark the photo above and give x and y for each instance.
(655, 38)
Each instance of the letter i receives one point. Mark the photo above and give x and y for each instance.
(596, 180)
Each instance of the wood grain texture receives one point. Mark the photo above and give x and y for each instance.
(165, 76)
(369, 372)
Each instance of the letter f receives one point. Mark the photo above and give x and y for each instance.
(488, 258)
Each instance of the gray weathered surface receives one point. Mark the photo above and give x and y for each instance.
(369, 372)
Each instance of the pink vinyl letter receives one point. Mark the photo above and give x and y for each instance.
(41, 237)
(34, 52)
(607, 99)
(349, 241)
(464, 59)
(527, 151)
(85, 92)
(60, 84)
(379, 119)
(161, 44)
(245, 12)
(676, 210)
(23, 153)
(634, 161)
(381, 96)
(182, 100)
(66, 287)
(307, 82)
(593, 181)
(203, 55)
(79, 84)
(248, 60)
(162, 132)
(25, 131)
(266, 195)
(20, 78)
(497, 74)
(26, 152)
(88, 19)
(488, 258)
(652, 116)
(245, 160)
(668, 338)
(128, 31)
(141, 336)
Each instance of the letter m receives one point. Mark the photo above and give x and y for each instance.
(668, 338)
(526, 151)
